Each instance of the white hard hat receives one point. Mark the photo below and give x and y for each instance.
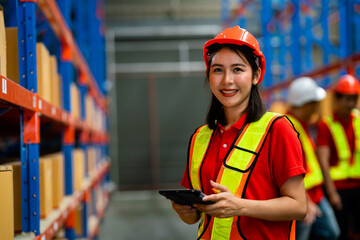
(303, 90)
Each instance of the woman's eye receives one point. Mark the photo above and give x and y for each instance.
(238, 70)
(217, 70)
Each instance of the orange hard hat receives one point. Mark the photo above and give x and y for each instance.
(237, 36)
(347, 84)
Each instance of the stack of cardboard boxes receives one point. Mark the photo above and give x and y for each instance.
(51, 178)
(49, 86)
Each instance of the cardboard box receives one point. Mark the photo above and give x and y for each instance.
(46, 193)
(75, 100)
(89, 108)
(55, 82)
(12, 54)
(16, 166)
(78, 168)
(79, 219)
(57, 178)
(43, 72)
(6, 203)
(91, 154)
(2, 44)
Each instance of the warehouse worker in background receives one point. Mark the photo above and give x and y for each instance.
(320, 221)
(248, 161)
(339, 153)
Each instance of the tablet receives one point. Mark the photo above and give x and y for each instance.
(184, 196)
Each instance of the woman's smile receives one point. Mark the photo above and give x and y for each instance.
(229, 92)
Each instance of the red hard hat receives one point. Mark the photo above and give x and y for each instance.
(237, 36)
(347, 84)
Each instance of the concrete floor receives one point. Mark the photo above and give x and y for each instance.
(143, 215)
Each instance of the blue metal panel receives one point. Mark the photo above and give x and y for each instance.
(356, 20)
(308, 46)
(70, 233)
(34, 189)
(29, 151)
(295, 40)
(27, 45)
(345, 26)
(67, 72)
(85, 219)
(68, 150)
(225, 11)
(96, 55)
(80, 28)
(10, 13)
(266, 42)
(25, 210)
(241, 19)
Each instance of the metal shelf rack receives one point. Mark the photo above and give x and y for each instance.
(23, 14)
(299, 37)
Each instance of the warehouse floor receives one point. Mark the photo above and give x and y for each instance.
(143, 215)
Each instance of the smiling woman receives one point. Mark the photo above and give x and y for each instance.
(246, 160)
(235, 67)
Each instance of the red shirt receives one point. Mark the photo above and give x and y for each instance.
(279, 160)
(324, 138)
(315, 193)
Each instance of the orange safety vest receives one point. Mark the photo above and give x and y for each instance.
(234, 172)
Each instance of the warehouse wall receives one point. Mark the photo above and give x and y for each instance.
(180, 107)
(159, 97)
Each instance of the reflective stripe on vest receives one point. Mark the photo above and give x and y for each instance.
(344, 169)
(355, 169)
(313, 175)
(233, 173)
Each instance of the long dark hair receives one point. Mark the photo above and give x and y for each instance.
(256, 107)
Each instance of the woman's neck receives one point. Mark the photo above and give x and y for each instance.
(232, 116)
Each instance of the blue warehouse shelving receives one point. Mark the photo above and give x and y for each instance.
(301, 37)
(72, 31)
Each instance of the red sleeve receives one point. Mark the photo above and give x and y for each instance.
(285, 152)
(185, 181)
(323, 135)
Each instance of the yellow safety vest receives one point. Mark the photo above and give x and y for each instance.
(234, 172)
(345, 169)
(313, 175)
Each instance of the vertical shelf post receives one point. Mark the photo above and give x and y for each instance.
(66, 71)
(30, 122)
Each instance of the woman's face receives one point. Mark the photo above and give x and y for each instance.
(230, 79)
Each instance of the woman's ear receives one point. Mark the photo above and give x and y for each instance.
(256, 77)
